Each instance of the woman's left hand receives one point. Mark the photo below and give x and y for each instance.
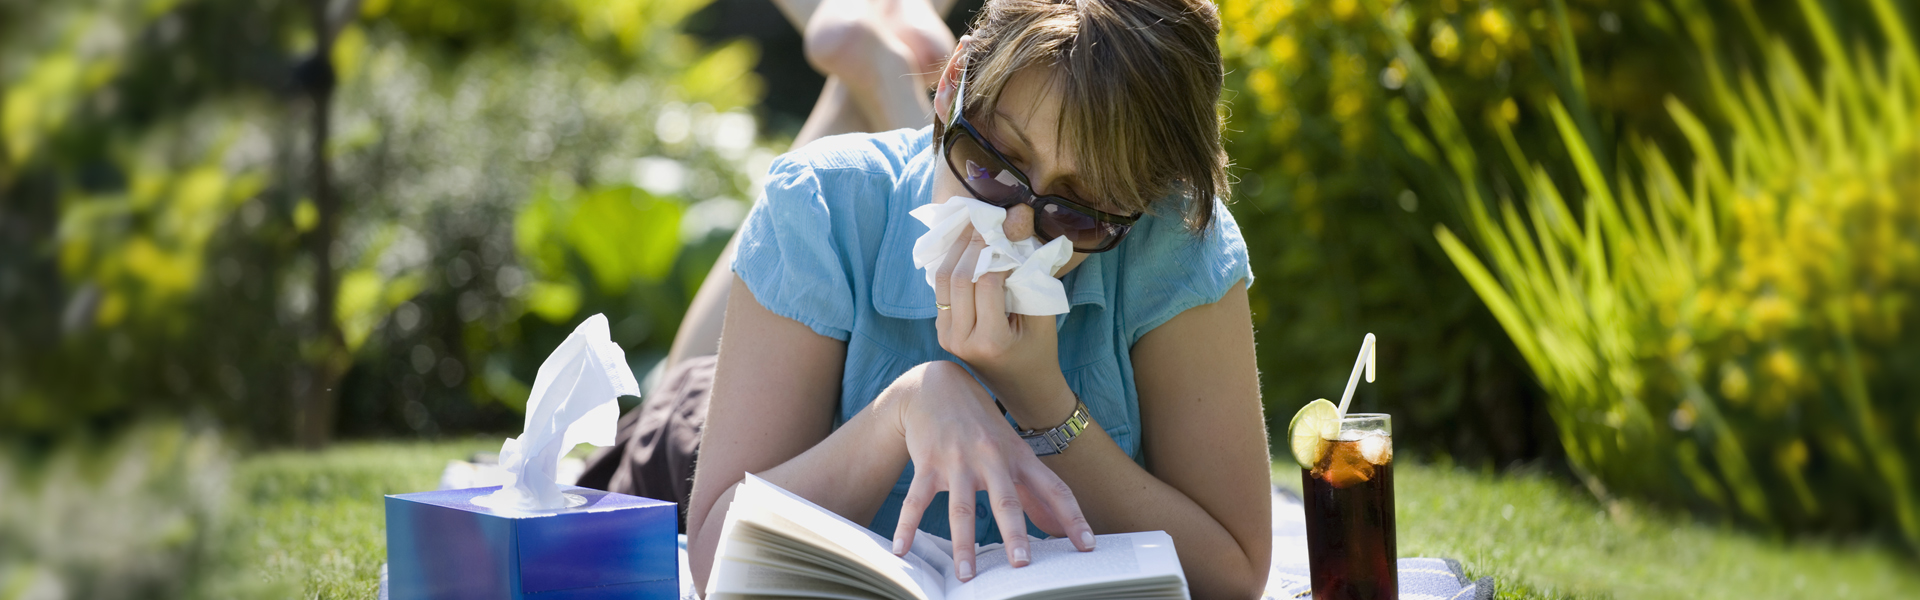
(1017, 356)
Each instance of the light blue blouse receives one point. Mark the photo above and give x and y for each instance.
(830, 245)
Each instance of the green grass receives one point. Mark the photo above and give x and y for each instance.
(1541, 537)
(310, 525)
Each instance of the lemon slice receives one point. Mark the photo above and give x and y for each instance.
(1316, 422)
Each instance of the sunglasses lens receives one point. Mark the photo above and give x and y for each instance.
(1081, 229)
(991, 180)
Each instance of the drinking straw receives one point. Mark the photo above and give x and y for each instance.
(1365, 360)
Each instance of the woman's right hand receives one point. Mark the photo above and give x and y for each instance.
(960, 444)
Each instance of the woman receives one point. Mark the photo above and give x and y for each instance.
(842, 377)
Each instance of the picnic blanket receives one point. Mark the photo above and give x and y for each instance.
(1287, 578)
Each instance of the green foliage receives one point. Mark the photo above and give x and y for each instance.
(1756, 371)
(574, 172)
(1729, 333)
(533, 186)
(119, 201)
(138, 516)
(1339, 193)
(156, 242)
(623, 233)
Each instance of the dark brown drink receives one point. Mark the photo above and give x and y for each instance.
(1349, 510)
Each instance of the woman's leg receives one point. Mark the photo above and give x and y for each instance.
(869, 54)
(868, 49)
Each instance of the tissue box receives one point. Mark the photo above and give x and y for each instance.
(442, 545)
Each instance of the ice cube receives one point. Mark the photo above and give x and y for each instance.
(1377, 449)
(1344, 466)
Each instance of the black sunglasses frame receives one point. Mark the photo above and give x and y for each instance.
(959, 125)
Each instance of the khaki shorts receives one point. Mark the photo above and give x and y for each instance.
(653, 455)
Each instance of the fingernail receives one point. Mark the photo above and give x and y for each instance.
(1086, 539)
(1020, 557)
(899, 546)
(966, 570)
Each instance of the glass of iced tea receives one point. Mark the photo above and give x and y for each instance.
(1348, 494)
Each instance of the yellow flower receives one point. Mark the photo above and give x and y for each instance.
(1283, 49)
(1495, 24)
(1784, 368)
(1273, 11)
(1768, 316)
(1395, 75)
(1734, 384)
(1343, 8)
(1266, 91)
(1347, 104)
(1679, 343)
(1446, 42)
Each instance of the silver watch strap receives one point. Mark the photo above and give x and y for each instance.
(1053, 441)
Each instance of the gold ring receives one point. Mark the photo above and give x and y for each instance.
(943, 306)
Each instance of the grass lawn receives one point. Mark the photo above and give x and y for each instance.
(310, 525)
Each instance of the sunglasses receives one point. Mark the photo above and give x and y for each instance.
(992, 179)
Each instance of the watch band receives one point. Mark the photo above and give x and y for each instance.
(1048, 442)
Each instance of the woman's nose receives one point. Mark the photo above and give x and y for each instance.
(1019, 223)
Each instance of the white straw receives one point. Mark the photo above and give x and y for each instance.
(1365, 361)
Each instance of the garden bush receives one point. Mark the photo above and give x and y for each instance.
(1728, 331)
(157, 241)
(1338, 206)
(1362, 126)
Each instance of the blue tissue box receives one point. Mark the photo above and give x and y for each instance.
(442, 545)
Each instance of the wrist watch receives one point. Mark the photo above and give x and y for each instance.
(1048, 442)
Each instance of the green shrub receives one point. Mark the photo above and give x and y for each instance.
(1337, 204)
(1726, 332)
(1762, 379)
(156, 237)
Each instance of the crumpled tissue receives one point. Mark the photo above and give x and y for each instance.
(574, 400)
(1031, 288)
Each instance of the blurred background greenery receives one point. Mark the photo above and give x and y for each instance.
(1695, 223)
(1663, 249)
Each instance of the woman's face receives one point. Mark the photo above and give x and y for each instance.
(1023, 129)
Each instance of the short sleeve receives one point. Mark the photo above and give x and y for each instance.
(788, 256)
(1175, 270)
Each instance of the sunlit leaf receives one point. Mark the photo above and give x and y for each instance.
(625, 234)
(555, 302)
(305, 215)
(723, 78)
(349, 52)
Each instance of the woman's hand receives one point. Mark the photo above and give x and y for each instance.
(960, 445)
(1016, 355)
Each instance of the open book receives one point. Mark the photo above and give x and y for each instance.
(775, 543)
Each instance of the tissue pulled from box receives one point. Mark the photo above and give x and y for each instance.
(1031, 287)
(574, 400)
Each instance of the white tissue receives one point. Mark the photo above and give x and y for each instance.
(1031, 288)
(574, 400)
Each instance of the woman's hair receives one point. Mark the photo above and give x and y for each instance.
(1140, 85)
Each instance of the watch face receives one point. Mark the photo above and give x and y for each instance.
(1043, 445)
(1054, 441)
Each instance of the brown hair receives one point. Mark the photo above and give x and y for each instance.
(1140, 84)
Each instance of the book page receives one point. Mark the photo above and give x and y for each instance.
(1057, 565)
(842, 543)
(936, 550)
(766, 580)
